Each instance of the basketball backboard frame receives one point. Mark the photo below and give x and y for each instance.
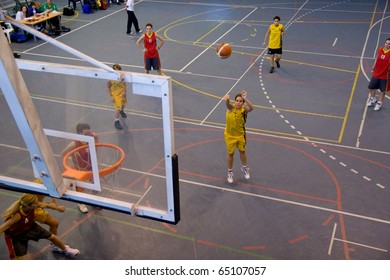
(34, 135)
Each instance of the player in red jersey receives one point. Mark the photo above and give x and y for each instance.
(150, 49)
(81, 160)
(20, 227)
(380, 78)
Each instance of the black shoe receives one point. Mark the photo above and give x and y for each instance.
(272, 70)
(118, 125)
(277, 63)
(123, 114)
(16, 55)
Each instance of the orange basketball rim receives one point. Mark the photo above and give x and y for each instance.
(87, 175)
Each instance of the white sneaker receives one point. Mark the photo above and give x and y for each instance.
(378, 106)
(230, 177)
(371, 102)
(245, 172)
(83, 208)
(70, 251)
(55, 248)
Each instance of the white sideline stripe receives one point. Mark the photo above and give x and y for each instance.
(331, 239)
(362, 245)
(335, 41)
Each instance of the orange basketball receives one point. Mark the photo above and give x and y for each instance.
(224, 50)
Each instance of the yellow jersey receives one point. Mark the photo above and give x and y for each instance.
(275, 36)
(235, 121)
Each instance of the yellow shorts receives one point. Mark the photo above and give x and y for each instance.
(119, 103)
(40, 215)
(233, 142)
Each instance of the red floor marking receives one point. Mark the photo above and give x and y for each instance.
(170, 228)
(328, 220)
(207, 243)
(146, 184)
(298, 239)
(253, 248)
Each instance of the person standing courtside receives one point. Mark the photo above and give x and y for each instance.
(380, 77)
(131, 18)
(150, 49)
(275, 33)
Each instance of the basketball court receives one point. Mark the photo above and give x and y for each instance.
(319, 159)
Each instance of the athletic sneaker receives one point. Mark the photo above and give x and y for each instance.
(371, 102)
(277, 63)
(378, 106)
(70, 251)
(118, 125)
(245, 172)
(55, 248)
(230, 177)
(83, 208)
(272, 70)
(140, 31)
(123, 114)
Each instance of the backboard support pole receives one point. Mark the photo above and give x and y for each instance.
(26, 117)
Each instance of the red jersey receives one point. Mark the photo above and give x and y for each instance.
(82, 159)
(150, 43)
(382, 65)
(24, 224)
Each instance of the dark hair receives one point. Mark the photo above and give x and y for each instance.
(149, 24)
(388, 39)
(239, 95)
(277, 17)
(27, 12)
(116, 65)
(82, 126)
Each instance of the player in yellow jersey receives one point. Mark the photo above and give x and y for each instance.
(117, 93)
(235, 135)
(275, 33)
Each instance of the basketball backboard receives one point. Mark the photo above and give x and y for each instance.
(42, 102)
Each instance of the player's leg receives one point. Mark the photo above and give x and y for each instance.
(379, 103)
(118, 108)
(82, 207)
(53, 224)
(271, 60)
(372, 87)
(147, 65)
(230, 146)
(63, 248)
(123, 102)
(278, 58)
(241, 148)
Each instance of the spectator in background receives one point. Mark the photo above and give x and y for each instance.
(49, 7)
(34, 12)
(131, 18)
